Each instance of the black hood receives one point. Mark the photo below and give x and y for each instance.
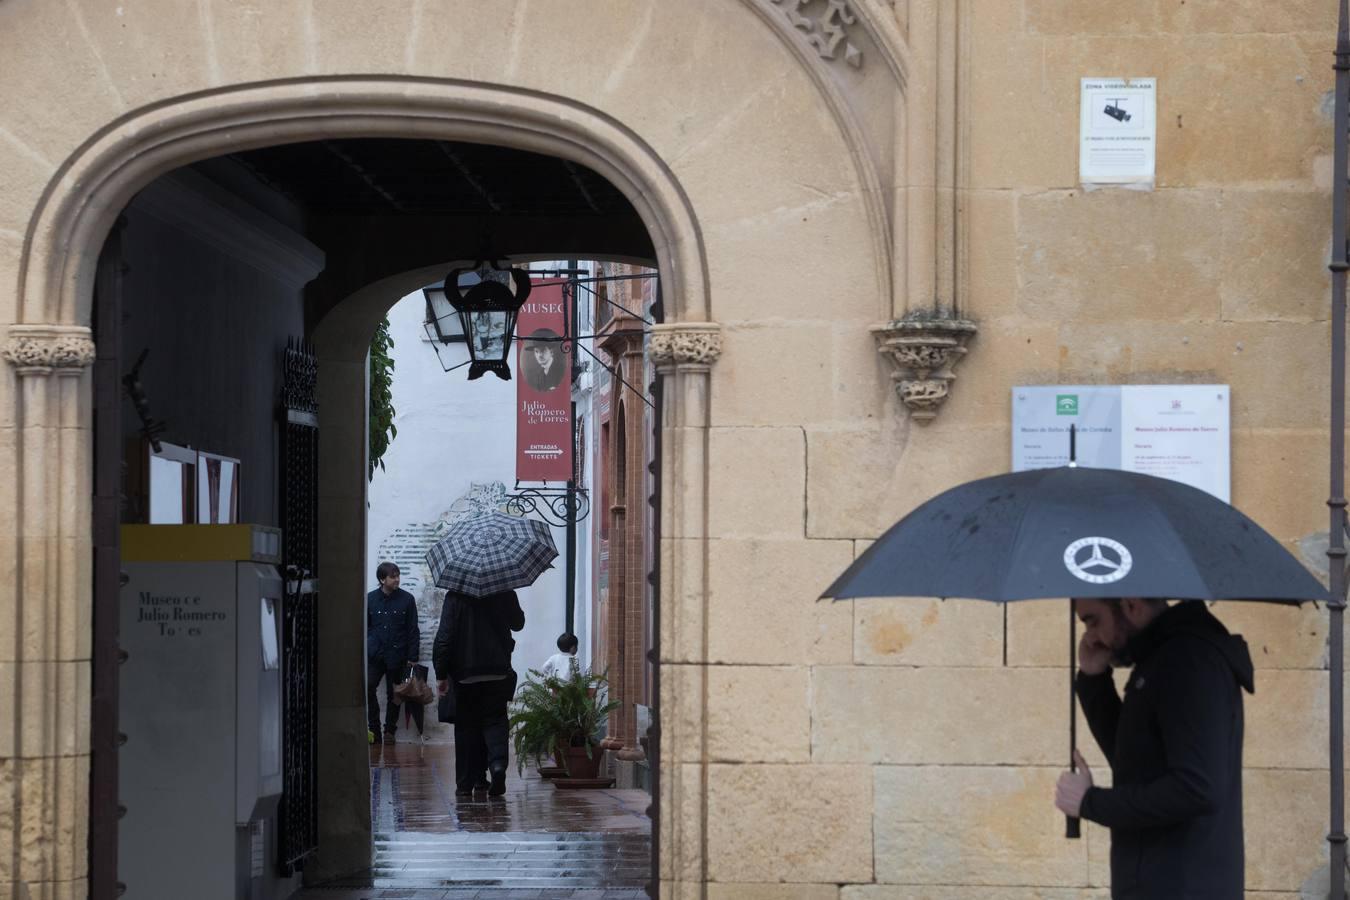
(1193, 618)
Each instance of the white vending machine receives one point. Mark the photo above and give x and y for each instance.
(200, 774)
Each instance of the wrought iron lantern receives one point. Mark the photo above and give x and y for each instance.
(487, 315)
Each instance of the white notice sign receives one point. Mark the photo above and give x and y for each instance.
(1177, 431)
(1117, 132)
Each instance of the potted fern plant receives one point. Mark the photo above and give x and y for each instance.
(561, 717)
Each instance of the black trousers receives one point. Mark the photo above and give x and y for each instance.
(375, 670)
(481, 730)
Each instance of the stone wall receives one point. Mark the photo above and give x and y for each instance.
(914, 745)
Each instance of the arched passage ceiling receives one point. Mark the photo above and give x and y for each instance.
(377, 207)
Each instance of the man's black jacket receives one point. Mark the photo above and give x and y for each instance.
(474, 637)
(392, 634)
(1175, 748)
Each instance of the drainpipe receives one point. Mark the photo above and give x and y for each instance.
(1337, 503)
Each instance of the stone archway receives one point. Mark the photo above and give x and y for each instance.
(782, 171)
(97, 187)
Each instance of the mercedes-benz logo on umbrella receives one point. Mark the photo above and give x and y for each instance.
(1097, 560)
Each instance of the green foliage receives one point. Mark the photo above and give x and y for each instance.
(382, 427)
(554, 712)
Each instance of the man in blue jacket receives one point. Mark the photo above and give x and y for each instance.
(392, 639)
(1174, 742)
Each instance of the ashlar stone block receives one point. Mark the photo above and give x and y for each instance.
(757, 483)
(52, 700)
(909, 631)
(860, 481)
(973, 825)
(1274, 256)
(992, 220)
(939, 716)
(682, 712)
(43, 839)
(1285, 825)
(1073, 18)
(781, 377)
(968, 892)
(763, 605)
(1279, 637)
(773, 892)
(789, 823)
(1279, 478)
(1107, 256)
(759, 714)
(846, 470)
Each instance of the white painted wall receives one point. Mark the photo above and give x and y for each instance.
(453, 433)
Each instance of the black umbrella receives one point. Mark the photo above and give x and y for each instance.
(1077, 532)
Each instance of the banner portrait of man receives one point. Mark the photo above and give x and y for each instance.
(543, 363)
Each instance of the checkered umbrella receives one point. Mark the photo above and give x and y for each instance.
(491, 553)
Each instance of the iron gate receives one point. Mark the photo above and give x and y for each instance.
(299, 474)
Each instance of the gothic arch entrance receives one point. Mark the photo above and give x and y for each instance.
(340, 338)
(775, 150)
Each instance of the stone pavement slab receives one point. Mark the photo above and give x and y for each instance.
(534, 843)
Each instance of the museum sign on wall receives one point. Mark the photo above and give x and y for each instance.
(1177, 431)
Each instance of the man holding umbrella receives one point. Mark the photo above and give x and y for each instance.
(1174, 740)
(1174, 743)
(479, 563)
(473, 648)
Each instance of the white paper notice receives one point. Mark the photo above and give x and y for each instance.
(1118, 130)
(1177, 431)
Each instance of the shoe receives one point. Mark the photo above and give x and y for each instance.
(463, 793)
(370, 736)
(389, 738)
(498, 786)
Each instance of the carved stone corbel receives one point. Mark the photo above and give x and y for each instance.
(924, 349)
(43, 349)
(685, 345)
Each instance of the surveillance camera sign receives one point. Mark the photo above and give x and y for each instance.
(1118, 130)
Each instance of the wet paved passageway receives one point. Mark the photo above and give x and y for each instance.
(536, 842)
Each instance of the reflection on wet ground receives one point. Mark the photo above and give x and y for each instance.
(535, 842)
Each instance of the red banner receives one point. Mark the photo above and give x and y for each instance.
(543, 388)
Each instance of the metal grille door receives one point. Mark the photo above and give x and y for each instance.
(299, 473)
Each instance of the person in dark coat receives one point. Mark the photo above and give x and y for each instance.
(1174, 743)
(473, 651)
(392, 639)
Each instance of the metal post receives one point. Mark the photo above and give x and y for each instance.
(1072, 827)
(1336, 502)
(571, 325)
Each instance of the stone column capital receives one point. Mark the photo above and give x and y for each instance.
(44, 349)
(687, 346)
(923, 350)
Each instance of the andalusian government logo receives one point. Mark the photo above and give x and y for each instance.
(1097, 560)
(1066, 404)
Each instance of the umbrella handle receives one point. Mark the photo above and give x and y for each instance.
(1071, 824)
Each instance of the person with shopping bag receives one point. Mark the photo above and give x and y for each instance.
(392, 639)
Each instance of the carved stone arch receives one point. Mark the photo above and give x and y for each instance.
(72, 220)
(87, 192)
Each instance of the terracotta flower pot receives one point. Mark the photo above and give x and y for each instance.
(579, 765)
